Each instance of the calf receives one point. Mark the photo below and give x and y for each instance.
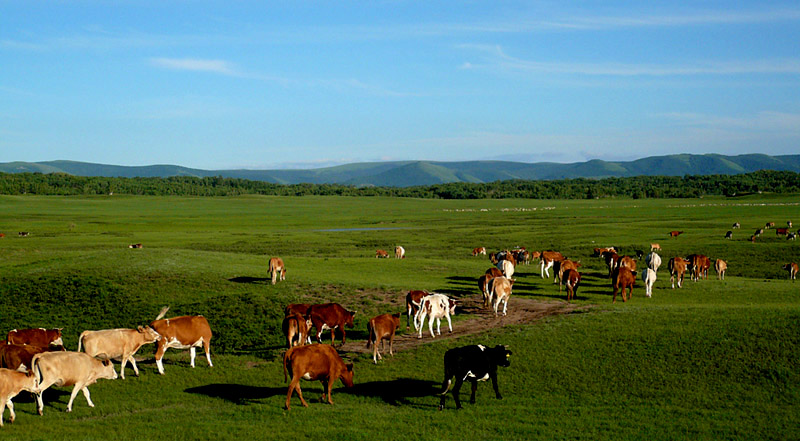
(479, 250)
(494, 272)
(599, 251)
(188, 331)
(649, 278)
(675, 233)
(653, 261)
(720, 266)
(677, 268)
(12, 383)
(380, 329)
(472, 363)
(572, 278)
(277, 269)
(67, 369)
(399, 252)
(295, 327)
(117, 343)
(436, 306)
(315, 362)
(729, 235)
(792, 268)
(35, 337)
(381, 254)
(413, 299)
(330, 316)
(501, 291)
(621, 279)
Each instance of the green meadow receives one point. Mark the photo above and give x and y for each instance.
(717, 359)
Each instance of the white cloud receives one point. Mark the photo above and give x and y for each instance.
(197, 65)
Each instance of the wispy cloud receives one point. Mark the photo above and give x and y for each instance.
(197, 65)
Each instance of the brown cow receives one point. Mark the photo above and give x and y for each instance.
(381, 254)
(188, 331)
(277, 269)
(720, 266)
(792, 268)
(599, 251)
(699, 266)
(479, 250)
(563, 267)
(67, 369)
(494, 272)
(295, 327)
(380, 329)
(623, 278)
(315, 362)
(119, 344)
(330, 316)
(572, 278)
(413, 299)
(612, 261)
(35, 337)
(677, 268)
(18, 356)
(627, 262)
(547, 260)
(781, 231)
(12, 383)
(674, 233)
(485, 284)
(769, 225)
(297, 308)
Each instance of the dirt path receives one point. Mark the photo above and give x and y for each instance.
(520, 311)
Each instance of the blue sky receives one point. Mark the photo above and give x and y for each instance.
(262, 84)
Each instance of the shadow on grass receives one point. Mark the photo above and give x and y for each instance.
(248, 279)
(237, 393)
(396, 392)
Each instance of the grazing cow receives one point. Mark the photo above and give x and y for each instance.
(729, 235)
(188, 331)
(485, 284)
(655, 247)
(23, 234)
(380, 329)
(276, 269)
(621, 279)
(653, 261)
(548, 257)
(781, 231)
(330, 316)
(35, 337)
(759, 232)
(791, 236)
(479, 250)
(472, 363)
(572, 278)
(769, 225)
(295, 327)
(436, 306)
(792, 268)
(399, 252)
(67, 369)
(507, 267)
(649, 278)
(501, 291)
(753, 238)
(135, 245)
(564, 266)
(381, 254)
(18, 357)
(296, 308)
(599, 251)
(315, 362)
(699, 266)
(720, 266)
(413, 300)
(117, 343)
(736, 225)
(12, 383)
(674, 233)
(627, 262)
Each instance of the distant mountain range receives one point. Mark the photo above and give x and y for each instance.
(410, 173)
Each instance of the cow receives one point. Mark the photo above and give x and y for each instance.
(599, 251)
(781, 231)
(572, 278)
(639, 254)
(13, 382)
(135, 245)
(758, 232)
(699, 266)
(478, 251)
(295, 327)
(655, 247)
(413, 299)
(501, 291)
(277, 269)
(621, 279)
(399, 252)
(485, 284)
(564, 266)
(35, 337)
(2, 236)
(649, 278)
(315, 362)
(791, 236)
(435, 306)
(188, 331)
(381, 254)
(769, 225)
(296, 308)
(547, 259)
(627, 262)
(792, 268)
(720, 266)
(507, 267)
(330, 316)
(612, 261)
(472, 363)
(522, 256)
(789, 224)
(674, 233)
(380, 329)
(736, 225)
(67, 369)
(18, 357)
(677, 268)
(753, 238)
(117, 343)
(729, 235)
(494, 272)
(653, 261)
(23, 234)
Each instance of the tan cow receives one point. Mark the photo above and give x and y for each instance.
(563, 267)
(381, 254)
(12, 383)
(188, 331)
(315, 362)
(720, 266)
(655, 247)
(295, 327)
(399, 252)
(380, 329)
(277, 269)
(623, 278)
(501, 291)
(67, 369)
(627, 262)
(478, 250)
(507, 267)
(792, 268)
(119, 344)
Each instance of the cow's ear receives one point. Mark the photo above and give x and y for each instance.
(106, 362)
(140, 329)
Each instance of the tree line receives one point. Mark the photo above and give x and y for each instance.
(580, 188)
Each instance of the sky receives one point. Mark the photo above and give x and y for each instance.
(304, 84)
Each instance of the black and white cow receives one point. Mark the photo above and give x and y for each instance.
(472, 363)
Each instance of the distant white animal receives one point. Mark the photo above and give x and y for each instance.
(649, 278)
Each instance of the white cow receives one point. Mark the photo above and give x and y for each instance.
(506, 267)
(653, 261)
(649, 278)
(436, 306)
(64, 368)
(117, 344)
(399, 252)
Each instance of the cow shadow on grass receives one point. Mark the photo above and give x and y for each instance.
(397, 392)
(237, 393)
(248, 279)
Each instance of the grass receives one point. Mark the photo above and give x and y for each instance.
(714, 360)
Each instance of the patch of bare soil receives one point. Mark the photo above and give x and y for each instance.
(520, 311)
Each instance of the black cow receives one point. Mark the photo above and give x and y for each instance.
(474, 363)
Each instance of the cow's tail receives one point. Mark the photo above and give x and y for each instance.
(285, 357)
(162, 313)
(80, 339)
(36, 370)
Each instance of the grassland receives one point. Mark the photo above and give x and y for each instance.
(714, 360)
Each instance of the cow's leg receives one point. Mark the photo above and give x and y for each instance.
(207, 348)
(505, 305)
(474, 386)
(72, 396)
(3, 409)
(192, 355)
(375, 353)
(430, 325)
(449, 323)
(391, 344)
(494, 385)
(614, 300)
(326, 391)
(274, 276)
(133, 363)
(421, 314)
(160, 355)
(438, 326)
(408, 319)
(344, 334)
(456, 389)
(122, 366)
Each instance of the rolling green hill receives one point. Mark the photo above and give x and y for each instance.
(411, 173)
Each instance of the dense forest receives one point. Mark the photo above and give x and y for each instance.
(633, 187)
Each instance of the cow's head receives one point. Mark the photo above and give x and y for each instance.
(149, 334)
(349, 319)
(452, 304)
(396, 319)
(347, 375)
(107, 371)
(501, 356)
